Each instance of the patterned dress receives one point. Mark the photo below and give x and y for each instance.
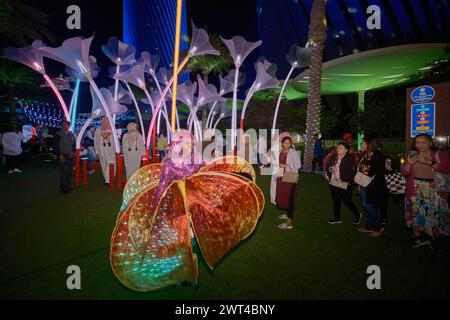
(427, 210)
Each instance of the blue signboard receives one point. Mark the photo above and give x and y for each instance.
(422, 94)
(423, 118)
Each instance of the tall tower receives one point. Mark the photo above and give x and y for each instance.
(149, 25)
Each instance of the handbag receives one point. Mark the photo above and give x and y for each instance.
(442, 180)
(362, 179)
(280, 173)
(290, 177)
(338, 183)
(395, 182)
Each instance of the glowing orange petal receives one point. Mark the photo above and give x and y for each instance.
(224, 210)
(145, 178)
(231, 164)
(150, 251)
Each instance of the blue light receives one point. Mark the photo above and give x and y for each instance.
(75, 103)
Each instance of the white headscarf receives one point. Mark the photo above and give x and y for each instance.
(132, 133)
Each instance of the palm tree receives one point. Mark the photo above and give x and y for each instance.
(12, 79)
(316, 40)
(21, 23)
(209, 64)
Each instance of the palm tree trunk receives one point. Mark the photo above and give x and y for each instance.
(317, 36)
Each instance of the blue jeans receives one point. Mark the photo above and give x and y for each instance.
(369, 210)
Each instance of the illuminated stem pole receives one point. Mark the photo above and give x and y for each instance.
(211, 121)
(193, 120)
(275, 116)
(108, 114)
(234, 111)
(217, 122)
(176, 56)
(82, 131)
(71, 101)
(169, 133)
(244, 107)
(161, 99)
(74, 103)
(116, 90)
(210, 113)
(361, 101)
(58, 95)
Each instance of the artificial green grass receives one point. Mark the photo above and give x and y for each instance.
(42, 232)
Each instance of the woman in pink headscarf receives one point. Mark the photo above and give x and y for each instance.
(104, 147)
(181, 161)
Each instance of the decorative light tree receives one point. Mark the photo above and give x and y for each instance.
(135, 75)
(239, 49)
(32, 58)
(225, 112)
(199, 45)
(186, 95)
(297, 57)
(206, 94)
(262, 81)
(226, 86)
(79, 77)
(121, 54)
(151, 63)
(74, 53)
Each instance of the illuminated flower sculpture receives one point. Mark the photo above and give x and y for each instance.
(225, 112)
(226, 86)
(74, 53)
(262, 81)
(155, 96)
(118, 52)
(79, 77)
(151, 63)
(121, 54)
(239, 49)
(297, 57)
(200, 45)
(135, 75)
(164, 204)
(32, 58)
(186, 94)
(98, 110)
(206, 94)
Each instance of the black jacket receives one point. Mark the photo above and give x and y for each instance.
(377, 189)
(347, 169)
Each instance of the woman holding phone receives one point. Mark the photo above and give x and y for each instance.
(426, 208)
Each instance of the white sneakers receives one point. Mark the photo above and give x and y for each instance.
(15, 171)
(285, 226)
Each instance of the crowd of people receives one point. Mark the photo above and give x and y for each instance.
(98, 144)
(423, 180)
